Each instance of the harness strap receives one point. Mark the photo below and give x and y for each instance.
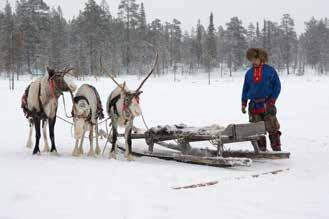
(76, 99)
(137, 98)
(113, 104)
(52, 88)
(262, 100)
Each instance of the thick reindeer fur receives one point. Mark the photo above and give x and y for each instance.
(122, 118)
(40, 86)
(40, 103)
(86, 117)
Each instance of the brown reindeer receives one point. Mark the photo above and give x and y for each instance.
(40, 102)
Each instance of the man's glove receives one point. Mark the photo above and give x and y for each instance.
(243, 109)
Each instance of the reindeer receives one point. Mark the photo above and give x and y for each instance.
(123, 106)
(40, 102)
(87, 109)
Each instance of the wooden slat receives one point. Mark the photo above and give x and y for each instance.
(261, 155)
(251, 129)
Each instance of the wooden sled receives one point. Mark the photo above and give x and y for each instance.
(216, 135)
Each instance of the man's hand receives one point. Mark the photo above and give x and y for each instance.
(243, 109)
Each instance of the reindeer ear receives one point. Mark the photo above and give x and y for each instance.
(70, 72)
(124, 85)
(50, 71)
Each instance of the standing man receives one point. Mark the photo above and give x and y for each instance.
(262, 88)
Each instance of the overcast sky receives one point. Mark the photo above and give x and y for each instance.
(189, 11)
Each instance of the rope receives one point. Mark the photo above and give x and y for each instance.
(71, 123)
(65, 108)
(107, 141)
(109, 133)
(105, 120)
(145, 124)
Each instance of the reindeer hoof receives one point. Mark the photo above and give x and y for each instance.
(113, 155)
(129, 157)
(46, 149)
(54, 153)
(98, 151)
(29, 145)
(36, 152)
(91, 153)
(80, 151)
(75, 153)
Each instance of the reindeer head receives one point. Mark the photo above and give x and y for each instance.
(82, 113)
(59, 81)
(131, 107)
(131, 101)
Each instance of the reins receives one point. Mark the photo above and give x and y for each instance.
(65, 110)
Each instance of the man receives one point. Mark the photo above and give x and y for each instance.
(262, 88)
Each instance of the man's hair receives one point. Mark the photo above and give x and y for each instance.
(257, 53)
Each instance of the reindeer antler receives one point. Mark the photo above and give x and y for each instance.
(152, 70)
(67, 71)
(117, 83)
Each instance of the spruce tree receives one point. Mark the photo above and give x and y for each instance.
(289, 39)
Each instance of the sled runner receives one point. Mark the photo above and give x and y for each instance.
(192, 159)
(216, 135)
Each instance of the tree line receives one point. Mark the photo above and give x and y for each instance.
(33, 35)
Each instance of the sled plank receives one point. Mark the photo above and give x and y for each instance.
(251, 129)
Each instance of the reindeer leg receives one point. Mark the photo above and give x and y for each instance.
(81, 141)
(29, 140)
(75, 152)
(98, 149)
(52, 123)
(91, 152)
(128, 142)
(45, 138)
(36, 149)
(114, 141)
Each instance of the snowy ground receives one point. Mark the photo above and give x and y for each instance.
(66, 187)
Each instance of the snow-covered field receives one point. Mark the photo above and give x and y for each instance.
(67, 187)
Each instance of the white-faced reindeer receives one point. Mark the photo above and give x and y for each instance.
(123, 106)
(40, 103)
(87, 109)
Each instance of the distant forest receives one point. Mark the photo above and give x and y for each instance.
(33, 35)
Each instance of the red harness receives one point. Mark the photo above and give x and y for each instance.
(52, 88)
(125, 105)
(137, 99)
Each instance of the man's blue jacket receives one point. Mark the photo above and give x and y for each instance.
(267, 90)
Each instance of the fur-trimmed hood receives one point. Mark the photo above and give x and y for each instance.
(260, 53)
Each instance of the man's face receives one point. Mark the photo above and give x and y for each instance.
(256, 61)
